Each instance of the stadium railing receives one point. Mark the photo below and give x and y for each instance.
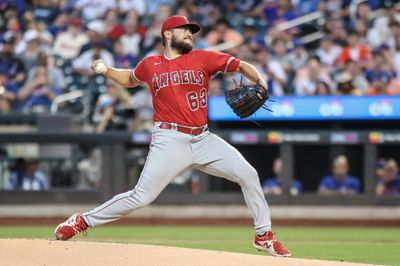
(114, 167)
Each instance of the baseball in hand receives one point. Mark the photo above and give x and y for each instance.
(99, 67)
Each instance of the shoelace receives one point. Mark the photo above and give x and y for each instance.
(273, 238)
(266, 236)
(78, 226)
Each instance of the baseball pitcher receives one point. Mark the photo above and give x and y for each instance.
(178, 81)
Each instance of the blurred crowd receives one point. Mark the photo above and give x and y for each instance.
(339, 182)
(350, 47)
(47, 46)
(31, 174)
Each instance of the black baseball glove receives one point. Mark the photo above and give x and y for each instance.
(245, 100)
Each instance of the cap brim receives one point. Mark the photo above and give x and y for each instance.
(194, 27)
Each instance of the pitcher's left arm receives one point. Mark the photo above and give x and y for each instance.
(251, 72)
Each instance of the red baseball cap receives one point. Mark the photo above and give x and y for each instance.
(75, 22)
(178, 21)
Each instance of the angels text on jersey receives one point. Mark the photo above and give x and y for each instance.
(163, 80)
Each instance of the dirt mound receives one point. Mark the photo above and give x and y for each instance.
(51, 252)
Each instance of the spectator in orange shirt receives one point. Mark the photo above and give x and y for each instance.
(354, 50)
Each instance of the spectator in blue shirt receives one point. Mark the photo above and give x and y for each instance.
(28, 177)
(274, 185)
(340, 182)
(9, 61)
(279, 11)
(38, 95)
(389, 182)
(122, 59)
(305, 7)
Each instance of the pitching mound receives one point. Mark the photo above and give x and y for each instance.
(51, 252)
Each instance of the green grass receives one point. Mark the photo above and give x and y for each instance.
(365, 245)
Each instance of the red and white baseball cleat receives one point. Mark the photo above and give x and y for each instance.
(74, 225)
(268, 242)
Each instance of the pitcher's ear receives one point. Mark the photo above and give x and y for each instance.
(168, 34)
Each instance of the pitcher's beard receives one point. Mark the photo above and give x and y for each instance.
(181, 46)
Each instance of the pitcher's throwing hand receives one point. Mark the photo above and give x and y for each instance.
(99, 67)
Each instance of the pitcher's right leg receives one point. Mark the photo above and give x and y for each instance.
(215, 156)
(169, 155)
